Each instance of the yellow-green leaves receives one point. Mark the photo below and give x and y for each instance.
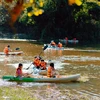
(77, 2)
(36, 7)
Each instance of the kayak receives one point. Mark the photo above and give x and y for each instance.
(43, 79)
(68, 41)
(12, 53)
(54, 47)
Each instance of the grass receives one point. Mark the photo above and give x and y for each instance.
(15, 93)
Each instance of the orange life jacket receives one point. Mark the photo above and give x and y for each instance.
(18, 72)
(43, 64)
(50, 71)
(6, 50)
(60, 45)
(37, 62)
(53, 43)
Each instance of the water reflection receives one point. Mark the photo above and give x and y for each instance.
(6, 59)
(53, 53)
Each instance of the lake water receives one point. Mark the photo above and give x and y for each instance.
(67, 62)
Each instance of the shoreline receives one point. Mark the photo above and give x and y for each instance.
(6, 39)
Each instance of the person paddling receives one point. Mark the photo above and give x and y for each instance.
(43, 65)
(7, 50)
(51, 71)
(36, 62)
(53, 44)
(19, 72)
(60, 45)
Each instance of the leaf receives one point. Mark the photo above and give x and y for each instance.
(78, 2)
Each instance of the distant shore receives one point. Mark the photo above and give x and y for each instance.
(5, 39)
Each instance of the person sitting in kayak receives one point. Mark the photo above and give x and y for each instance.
(60, 45)
(51, 71)
(37, 62)
(19, 72)
(53, 44)
(7, 50)
(43, 65)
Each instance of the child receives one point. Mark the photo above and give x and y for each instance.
(19, 72)
(7, 50)
(43, 65)
(51, 71)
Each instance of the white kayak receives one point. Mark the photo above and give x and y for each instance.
(54, 47)
(43, 79)
(12, 53)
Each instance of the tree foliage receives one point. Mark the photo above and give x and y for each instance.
(55, 19)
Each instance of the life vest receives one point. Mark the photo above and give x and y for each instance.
(43, 65)
(50, 71)
(6, 50)
(60, 45)
(53, 43)
(37, 62)
(18, 72)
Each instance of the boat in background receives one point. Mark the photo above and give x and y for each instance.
(12, 53)
(73, 41)
(54, 47)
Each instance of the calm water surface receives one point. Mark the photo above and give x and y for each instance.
(68, 61)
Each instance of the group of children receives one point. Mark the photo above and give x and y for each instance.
(39, 64)
(56, 45)
(50, 71)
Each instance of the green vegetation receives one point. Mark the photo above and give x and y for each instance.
(56, 19)
(15, 93)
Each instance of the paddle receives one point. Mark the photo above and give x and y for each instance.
(29, 66)
(45, 47)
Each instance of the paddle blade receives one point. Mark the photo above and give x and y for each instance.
(45, 47)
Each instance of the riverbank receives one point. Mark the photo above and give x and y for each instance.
(5, 39)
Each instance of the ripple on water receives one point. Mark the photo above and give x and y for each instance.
(24, 84)
(84, 79)
(6, 83)
(80, 58)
